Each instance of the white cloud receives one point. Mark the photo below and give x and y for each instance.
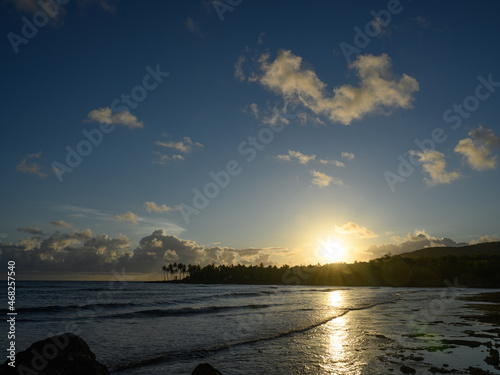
(337, 163)
(59, 241)
(144, 225)
(128, 217)
(305, 159)
(31, 167)
(302, 158)
(355, 229)
(238, 70)
(162, 159)
(61, 224)
(434, 164)
(68, 253)
(378, 91)
(193, 26)
(304, 118)
(485, 239)
(411, 242)
(323, 180)
(153, 207)
(422, 22)
(477, 149)
(77, 212)
(123, 118)
(185, 146)
(30, 243)
(261, 38)
(347, 155)
(57, 16)
(275, 118)
(255, 110)
(379, 27)
(83, 252)
(30, 6)
(31, 230)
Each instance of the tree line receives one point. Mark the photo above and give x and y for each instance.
(471, 271)
(178, 270)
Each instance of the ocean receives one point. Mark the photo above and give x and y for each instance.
(158, 328)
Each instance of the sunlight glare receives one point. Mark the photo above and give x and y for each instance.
(332, 251)
(335, 298)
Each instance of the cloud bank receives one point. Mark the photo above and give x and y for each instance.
(411, 242)
(82, 252)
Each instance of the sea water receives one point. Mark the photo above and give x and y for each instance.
(165, 328)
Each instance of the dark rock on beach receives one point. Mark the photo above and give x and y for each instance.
(407, 370)
(493, 359)
(205, 369)
(58, 355)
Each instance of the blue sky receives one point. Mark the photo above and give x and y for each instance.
(313, 111)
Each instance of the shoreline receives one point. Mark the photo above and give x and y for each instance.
(463, 336)
(218, 282)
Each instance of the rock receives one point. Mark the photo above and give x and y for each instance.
(407, 370)
(439, 370)
(205, 369)
(478, 371)
(58, 355)
(493, 359)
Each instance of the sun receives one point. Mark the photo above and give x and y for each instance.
(331, 251)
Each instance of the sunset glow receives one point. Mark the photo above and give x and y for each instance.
(202, 132)
(332, 251)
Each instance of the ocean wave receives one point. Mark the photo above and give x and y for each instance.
(74, 308)
(157, 313)
(202, 352)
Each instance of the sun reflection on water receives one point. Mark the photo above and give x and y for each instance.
(337, 329)
(335, 298)
(338, 356)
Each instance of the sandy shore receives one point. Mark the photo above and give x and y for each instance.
(435, 332)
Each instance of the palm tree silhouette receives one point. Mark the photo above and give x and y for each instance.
(182, 270)
(171, 268)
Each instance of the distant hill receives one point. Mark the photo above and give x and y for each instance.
(488, 248)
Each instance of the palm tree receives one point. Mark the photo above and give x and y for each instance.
(182, 270)
(175, 269)
(164, 269)
(171, 268)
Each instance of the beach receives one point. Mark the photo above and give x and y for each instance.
(138, 328)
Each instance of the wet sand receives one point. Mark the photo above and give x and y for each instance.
(448, 331)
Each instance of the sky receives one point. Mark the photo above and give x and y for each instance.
(136, 134)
